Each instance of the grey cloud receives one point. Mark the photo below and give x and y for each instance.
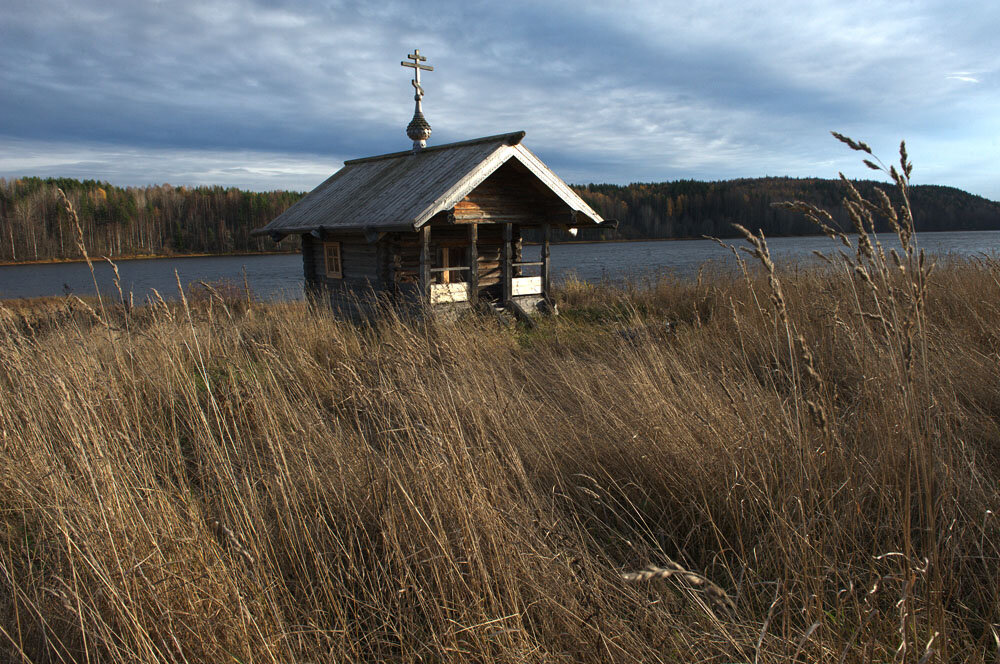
(608, 92)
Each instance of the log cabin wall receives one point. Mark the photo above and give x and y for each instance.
(391, 265)
(364, 266)
(359, 261)
(489, 246)
(404, 252)
(309, 269)
(511, 194)
(404, 249)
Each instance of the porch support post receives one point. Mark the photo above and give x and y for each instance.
(506, 269)
(473, 264)
(546, 270)
(425, 264)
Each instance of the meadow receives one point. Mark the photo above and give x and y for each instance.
(804, 465)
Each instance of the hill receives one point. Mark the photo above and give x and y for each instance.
(163, 220)
(689, 208)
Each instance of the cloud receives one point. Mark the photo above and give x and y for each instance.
(963, 76)
(140, 166)
(607, 92)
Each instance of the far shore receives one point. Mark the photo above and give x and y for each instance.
(139, 257)
(142, 257)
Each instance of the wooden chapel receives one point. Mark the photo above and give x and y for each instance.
(438, 227)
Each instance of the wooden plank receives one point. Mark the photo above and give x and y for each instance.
(474, 264)
(546, 267)
(391, 264)
(526, 286)
(308, 260)
(359, 260)
(425, 263)
(444, 272)
(381, 264)
(506, 270)
(443, 293)
(514, 307)
(516, 249)
(499, 216)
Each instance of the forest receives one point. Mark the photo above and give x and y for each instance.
(134, 221)
(162, 220)
(690, 208)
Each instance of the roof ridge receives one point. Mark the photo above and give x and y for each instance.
(510, 138)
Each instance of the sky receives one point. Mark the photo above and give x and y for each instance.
(276, 94)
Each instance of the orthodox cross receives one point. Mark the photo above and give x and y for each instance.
(419, 130)
(416, 66)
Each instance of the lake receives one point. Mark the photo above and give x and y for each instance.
(280, 276)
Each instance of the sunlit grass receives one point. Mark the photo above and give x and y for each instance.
(217, 479)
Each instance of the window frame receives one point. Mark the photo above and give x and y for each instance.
(333, 248)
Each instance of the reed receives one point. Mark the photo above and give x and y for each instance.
(214, 479)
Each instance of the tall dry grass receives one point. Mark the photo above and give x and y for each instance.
(809, 461)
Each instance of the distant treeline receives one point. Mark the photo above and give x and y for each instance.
(134, 221)
(164, 220)
(689, 208)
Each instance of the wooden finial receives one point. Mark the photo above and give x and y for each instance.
(419, 130)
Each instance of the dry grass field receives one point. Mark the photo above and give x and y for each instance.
(810, 459)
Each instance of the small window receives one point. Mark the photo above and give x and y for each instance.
(331, 255)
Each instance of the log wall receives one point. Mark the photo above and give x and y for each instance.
(511, 194)
(404, 252)
(364, 266)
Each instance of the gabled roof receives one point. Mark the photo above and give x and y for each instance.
(403, 190)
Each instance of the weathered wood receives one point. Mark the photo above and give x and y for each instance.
(546, 266)
(474, 264)
(359, 261)
(510, 194)
(383, 254)
(526, 286)
(405, 253)
(514, 307)
(308, 259)
(391, 262)
(425, 263)
(389, 193)
(441, 293)
(480, 233)
(516, 254)
(443, 271)
(529, 219)
(506, 269)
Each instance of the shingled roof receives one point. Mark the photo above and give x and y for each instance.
(403, 190)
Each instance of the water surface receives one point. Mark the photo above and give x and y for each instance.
(280, 276)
